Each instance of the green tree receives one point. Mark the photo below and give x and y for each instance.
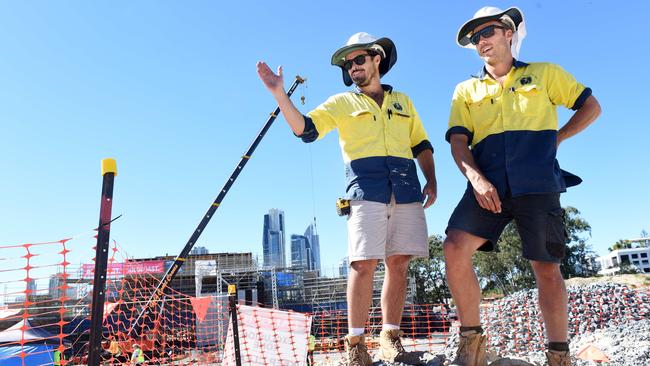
(621, 244)
(579, 259)
(429, 274)
(505, 271)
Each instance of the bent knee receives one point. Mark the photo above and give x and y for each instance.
(461, 244)
(547, 271)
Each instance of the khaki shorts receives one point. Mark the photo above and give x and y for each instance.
(378, 230)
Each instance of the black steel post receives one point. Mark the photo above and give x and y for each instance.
(109, 170)
(232, 301)
(180, 259)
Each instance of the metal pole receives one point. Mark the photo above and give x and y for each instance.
(232, 300)
(180, 259)
(109, 171)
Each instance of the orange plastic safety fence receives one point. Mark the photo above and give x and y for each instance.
(44, 317)
(177, 328)
(43, 300)
(426, 329)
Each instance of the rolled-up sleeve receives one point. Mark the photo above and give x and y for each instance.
(310, 133)
(460, 121)
(419, 139)
(323, 118)
(564, 89)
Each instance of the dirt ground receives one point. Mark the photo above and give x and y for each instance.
(632, 280)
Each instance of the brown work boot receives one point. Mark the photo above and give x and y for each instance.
(391, 349)
(357, 351)
(558, 358)
(471, 350)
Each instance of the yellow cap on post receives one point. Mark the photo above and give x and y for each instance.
(232, 289)
(109, 166)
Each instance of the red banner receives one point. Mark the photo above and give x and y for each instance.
(128, 268)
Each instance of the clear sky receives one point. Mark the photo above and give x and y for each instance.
(169, 89)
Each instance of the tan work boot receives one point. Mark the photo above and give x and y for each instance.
(391, 349)
(357, 351)
(471, 350)
(558, 358)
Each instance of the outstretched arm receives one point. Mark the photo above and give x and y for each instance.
(275, 84)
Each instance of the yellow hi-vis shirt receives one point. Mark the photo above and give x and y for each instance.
(512, 129)
(137, 355)
(378, 143)
(57, 357)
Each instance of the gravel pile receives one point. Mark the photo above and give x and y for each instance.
(613, 314)
(624, 344)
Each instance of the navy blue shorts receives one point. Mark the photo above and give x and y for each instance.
(539, 219)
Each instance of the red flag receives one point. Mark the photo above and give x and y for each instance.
(590, 353)
(201, 305)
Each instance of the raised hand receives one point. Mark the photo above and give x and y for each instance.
(273, 82)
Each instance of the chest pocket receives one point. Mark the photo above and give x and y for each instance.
(485, 113)
(359, 124)
(361, 115)
(531, 99)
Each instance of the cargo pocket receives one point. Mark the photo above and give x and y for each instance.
(556, 234)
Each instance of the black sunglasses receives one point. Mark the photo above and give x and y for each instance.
(359, 60)
(486, 32)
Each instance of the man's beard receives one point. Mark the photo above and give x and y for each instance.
(361, 81)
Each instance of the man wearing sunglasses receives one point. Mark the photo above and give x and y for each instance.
(507, 115)
(380, 134)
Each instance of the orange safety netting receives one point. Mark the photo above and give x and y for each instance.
(41, 301)
(46, 307)
(47, 297)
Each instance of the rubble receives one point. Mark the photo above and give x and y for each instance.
(612, 317)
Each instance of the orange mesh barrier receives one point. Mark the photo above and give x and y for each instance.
(42, 301)
(46, 306)
(426, 329)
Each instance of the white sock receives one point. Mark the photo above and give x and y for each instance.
(356, 331)
(389, 327)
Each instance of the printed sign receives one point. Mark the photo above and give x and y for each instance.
(128, 268)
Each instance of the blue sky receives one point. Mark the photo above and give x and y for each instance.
(169, 89)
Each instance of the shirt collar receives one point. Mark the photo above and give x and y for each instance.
(386, 87)
(483, 74)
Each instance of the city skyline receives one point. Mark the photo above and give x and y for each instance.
(273, 239)
(311, 233)
(304, 250)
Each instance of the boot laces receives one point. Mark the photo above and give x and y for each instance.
(397, 343)
(355, 354)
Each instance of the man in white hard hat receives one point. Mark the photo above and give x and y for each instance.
(380, 134)
(503, 131)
